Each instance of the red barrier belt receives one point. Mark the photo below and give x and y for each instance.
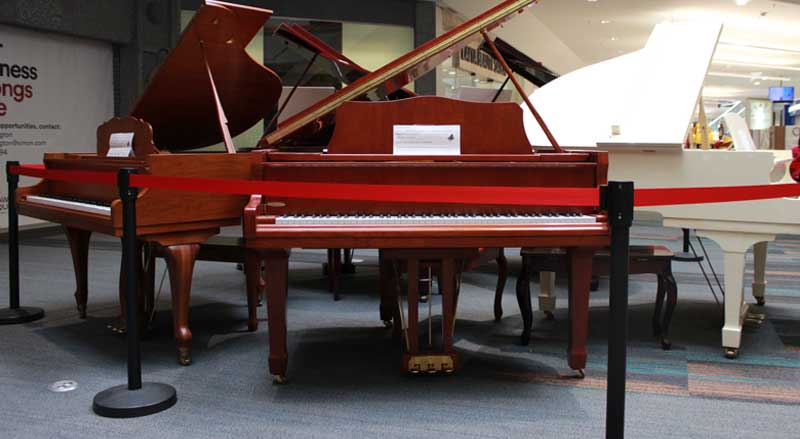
(674, 196)
(522, 196)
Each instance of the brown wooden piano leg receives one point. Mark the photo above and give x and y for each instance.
(79, 247)
(580, 279)
(502, 275)
(412, 331)
(448, 278)
(254, 285)
(277, 271)
(148, 285)
(121, 324)
(386, 286)
(524, 301)
(180, 263)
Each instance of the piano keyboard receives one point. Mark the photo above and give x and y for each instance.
(453, 219)
(89, 206)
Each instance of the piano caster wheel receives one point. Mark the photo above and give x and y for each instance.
(184, 357)
(279, 379)
(240, 267)
(580, 374)
(387, 324)
(82, 312)
(666, 344)
(549, 315)
(760, 301)
(731, 353)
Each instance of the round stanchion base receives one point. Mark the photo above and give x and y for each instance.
(120, 402)
(686, 257)
(23, 314)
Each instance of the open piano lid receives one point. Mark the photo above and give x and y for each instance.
(522, 64)
(305, 39)
(209, 89)
(403, 70)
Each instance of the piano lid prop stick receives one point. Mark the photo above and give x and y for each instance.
(500, 90)
(134, 399)
(274, 121)
(522, 93)
(15, 314)
(223, 119)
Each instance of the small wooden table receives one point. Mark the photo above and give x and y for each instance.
(643, 260)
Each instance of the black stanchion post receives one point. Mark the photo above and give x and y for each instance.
(136, 398)
(619, 204)
(14, 313)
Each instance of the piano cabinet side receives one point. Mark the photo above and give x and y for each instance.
(163, 211)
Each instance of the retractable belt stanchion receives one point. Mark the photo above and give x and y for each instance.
(135, 398)
(617, 198)
(14, 313)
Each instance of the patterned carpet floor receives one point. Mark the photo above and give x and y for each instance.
(344, 366)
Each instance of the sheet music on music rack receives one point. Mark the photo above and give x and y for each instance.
(120, 145)
(427, 140)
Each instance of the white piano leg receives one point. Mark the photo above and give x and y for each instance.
(734, 245)
(759, 269)
(547, 297)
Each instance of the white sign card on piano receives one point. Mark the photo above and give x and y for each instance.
(120, 145)
(427, 140)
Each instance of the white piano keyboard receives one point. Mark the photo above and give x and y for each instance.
(83, 206)
(434, 219)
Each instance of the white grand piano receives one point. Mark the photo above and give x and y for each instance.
(639, 107)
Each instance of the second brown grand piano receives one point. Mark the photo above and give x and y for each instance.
(493, 151)
(207, 91)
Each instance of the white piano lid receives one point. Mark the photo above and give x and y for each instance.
(740, 133)
(642, 100)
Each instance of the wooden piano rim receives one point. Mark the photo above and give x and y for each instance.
(504, 158)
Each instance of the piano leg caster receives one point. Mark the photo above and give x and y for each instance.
(666, 344)
(525, 338)
(760, 301)
(731, 353)
(548, 315)
(387, 324)
(184, 357)
(82, 312)
(580, 374)
(279, 379)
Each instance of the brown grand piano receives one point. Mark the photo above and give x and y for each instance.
(207, 91)
(494, 152)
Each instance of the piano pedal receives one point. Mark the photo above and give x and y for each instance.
(430, 364)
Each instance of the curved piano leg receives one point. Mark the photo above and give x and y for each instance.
(524, 301)
(547, 296)
(759, 268)
(502, 275)
(580, 279)
(120, 326)
(180, 263)
(661, 294)
(277, 271)
(254, 285)
(79, 247)
(672, 300)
